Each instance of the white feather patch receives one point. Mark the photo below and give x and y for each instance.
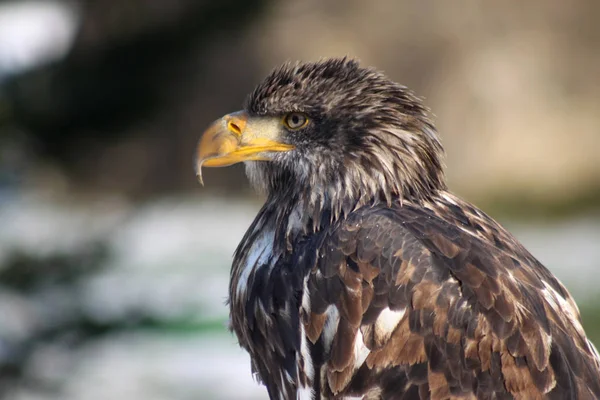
(331, 325)
(562, 306)
(306, 297)
(449, 198)
(594, 352)
(259, 253)
(306, 392)
(360, 350)
(387, 321)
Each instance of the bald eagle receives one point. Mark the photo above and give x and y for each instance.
(362, 276)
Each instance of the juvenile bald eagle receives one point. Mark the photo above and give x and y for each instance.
(362, 276)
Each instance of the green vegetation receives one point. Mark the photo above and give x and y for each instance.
(526, 207)
(590, 314)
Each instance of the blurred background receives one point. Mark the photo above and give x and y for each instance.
(114, 263)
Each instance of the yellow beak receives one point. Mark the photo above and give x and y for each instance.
(236, 138)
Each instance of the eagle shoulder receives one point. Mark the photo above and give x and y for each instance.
(402, 300)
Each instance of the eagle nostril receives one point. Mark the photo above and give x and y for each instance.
(233, 127)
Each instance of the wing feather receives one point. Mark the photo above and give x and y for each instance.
(438, 307)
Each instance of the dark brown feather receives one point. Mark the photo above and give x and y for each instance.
(480, 331)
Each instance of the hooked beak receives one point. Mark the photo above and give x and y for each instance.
(235, 138)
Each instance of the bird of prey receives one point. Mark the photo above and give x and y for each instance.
(362, 276)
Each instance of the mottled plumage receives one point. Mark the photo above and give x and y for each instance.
(363, 277)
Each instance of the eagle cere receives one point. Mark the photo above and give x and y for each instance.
(362, 276)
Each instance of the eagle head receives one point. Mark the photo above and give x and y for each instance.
(331, 134)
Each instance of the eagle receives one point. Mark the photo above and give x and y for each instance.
(363, 276)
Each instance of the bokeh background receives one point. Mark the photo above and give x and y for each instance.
(114, 262)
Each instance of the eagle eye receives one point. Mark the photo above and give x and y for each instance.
(295, 120)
